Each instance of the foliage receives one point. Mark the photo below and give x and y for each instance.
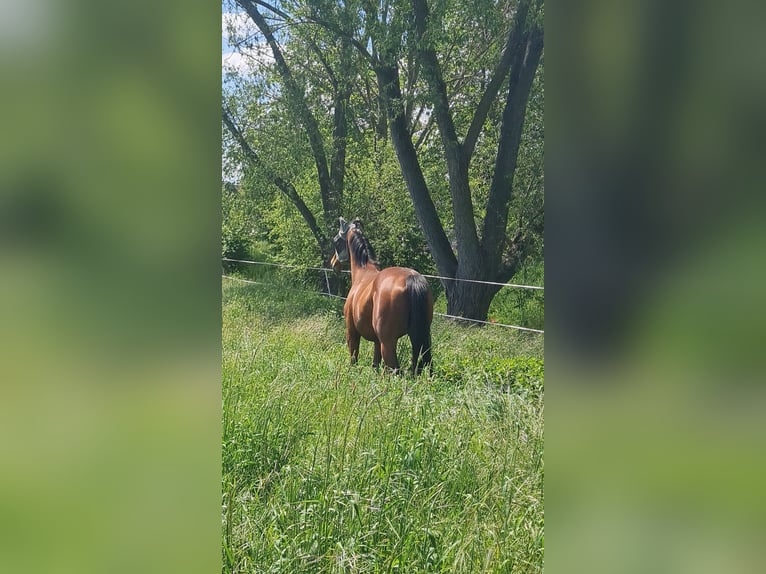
(523, 375)
(377, 195)
(236, 224)
(330, 468)
(524, 307)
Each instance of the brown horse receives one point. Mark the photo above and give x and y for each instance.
(383, 306)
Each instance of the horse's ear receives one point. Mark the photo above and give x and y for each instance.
(357, 223)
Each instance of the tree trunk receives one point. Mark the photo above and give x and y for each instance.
(469, 299)
(401, 139)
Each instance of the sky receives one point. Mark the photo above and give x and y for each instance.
(239, 60)
(230, 58)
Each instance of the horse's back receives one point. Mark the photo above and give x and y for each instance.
(394, 278)
(392, 282)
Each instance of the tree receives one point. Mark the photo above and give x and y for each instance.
(463, 70)
(330, 165)
(399, 32)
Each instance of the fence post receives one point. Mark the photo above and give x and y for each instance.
(327, 281)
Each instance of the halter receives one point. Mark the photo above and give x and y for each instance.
(340, 240)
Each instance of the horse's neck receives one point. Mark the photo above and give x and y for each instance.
(359, 273)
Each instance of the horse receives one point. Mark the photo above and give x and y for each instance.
(383, 305)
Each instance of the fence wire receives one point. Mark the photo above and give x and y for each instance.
(328, 294)
(326, 269)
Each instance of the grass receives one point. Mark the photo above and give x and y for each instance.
(515, 306)
(334, 468)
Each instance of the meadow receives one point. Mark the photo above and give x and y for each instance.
(329, 467)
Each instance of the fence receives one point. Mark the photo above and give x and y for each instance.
(329, 294)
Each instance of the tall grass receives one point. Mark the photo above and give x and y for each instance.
(523, 307)
(333, 468)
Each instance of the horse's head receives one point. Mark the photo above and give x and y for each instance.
(341, 243)
(350, 238)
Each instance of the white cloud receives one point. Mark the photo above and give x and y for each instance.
(240, 24)
(247, 60)
(237, 62)
(244, 58)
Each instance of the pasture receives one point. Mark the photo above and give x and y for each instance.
(334, 468)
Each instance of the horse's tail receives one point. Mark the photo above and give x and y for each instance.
(419, 321)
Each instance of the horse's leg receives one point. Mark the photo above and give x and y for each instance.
(388, 349)
(352, 340)
(376, 358)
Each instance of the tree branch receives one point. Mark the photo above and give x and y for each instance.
(425, 132)
(325, 64)
(341, 97)
(413, 71)
(401, 139)
(272, 8)
(284, 186)
(519, 85)
(296, 98)
(512, 47)
(331, 26)
(462, 204)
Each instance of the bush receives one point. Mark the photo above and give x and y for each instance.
(236, 229)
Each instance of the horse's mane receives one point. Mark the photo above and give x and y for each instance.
(362, 250)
